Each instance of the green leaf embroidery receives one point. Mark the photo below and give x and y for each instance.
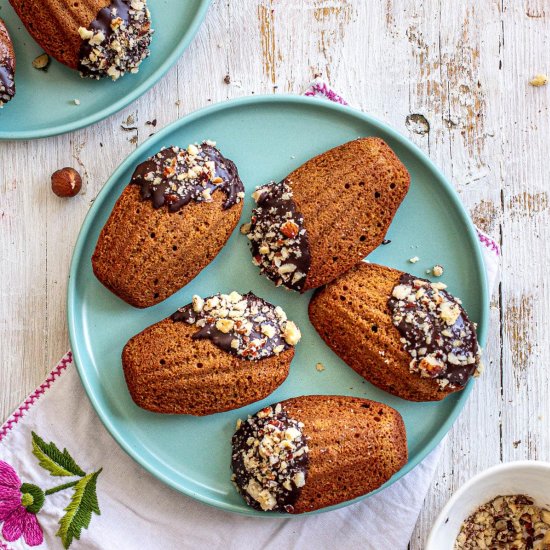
(52, 459)
(79, 511)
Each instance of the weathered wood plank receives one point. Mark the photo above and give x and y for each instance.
(526, 297)
(451, 76)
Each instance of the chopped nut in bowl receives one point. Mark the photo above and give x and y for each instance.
(506, 506)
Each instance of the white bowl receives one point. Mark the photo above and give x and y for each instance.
(528, 477)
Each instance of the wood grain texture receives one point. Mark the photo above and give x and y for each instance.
(451, 76)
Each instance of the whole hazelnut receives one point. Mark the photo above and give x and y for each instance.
(66, 182)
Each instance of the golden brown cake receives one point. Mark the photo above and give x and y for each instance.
(315, 451)
(213, 355)
(97, 37)
(170, 222)
(326, 215)
(7, 66)
(406, 335)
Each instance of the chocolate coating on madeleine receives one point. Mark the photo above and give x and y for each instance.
(116, 41)
(278, 238)
(244, 325)
(7, 66)
(270, 459)
(175, 177)
(7, 84)
(435, 330)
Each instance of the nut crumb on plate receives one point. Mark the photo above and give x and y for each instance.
(42, 62)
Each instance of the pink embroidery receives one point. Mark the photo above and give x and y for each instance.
(18, 517)
(319, 88)
(22, 410)
(488, 242)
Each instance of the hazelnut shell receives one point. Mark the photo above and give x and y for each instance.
(66, 182)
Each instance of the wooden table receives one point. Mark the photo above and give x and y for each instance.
(451, 76)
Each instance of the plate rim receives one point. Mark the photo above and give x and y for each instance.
(136, 93)
(248, 101)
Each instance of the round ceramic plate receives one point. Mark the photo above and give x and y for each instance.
(267, 137)
(44, 103)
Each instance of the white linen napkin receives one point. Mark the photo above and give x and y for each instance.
(94, 496)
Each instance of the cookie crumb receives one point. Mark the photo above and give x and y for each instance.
(76, 101)
(320, 367)
(437, 270)
(42, 62)
(414, 259)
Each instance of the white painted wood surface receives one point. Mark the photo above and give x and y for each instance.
(463, 66)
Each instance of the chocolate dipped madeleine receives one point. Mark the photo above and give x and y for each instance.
(315, 451)
(326, 215)
(213, 355)
(170, 222)
(7, 66)
(404, 334)
(96, 37)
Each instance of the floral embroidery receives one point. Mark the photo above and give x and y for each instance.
(18, 520)
(21, 502)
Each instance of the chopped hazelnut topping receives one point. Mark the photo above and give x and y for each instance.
(511, 521)
(291, 333)
(449, 312)
(244, 325)
(225, 325)
(176, 176)
(7, 80)
(290, 229)
(198, 304)
(268, 330)
(435, 331)
(277, 236)
(269, 459)
(192, 150)
(117, 41)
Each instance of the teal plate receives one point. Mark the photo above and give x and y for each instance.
(44, 103)
(267, 137)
